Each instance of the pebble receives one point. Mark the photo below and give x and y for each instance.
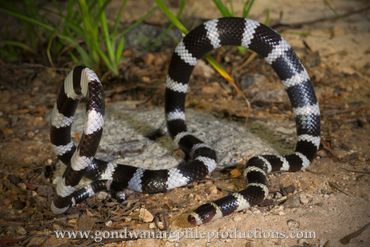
(202, 69)
(22, 186)
(292, 202)
(14, 179)
(30, 134)
(212, 190)
(285, 131)
(197, 198)
(18, 205)
(160, 225)
(21, 231)
(322, 153)
(237, 218)
(304, 199)
(102, 195)
(212, 88)
(293, 224)
(209, 182)
(109, 223)
(235, 173)
(145, 215)
(56, 227)
(286, 190)
(256, 211)
(248, 80)
(278, 195)
(72, 221)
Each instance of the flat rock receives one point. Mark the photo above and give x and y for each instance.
(126, 127)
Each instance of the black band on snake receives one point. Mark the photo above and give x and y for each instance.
(202, 159)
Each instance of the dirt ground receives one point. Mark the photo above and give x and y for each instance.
(331, 199)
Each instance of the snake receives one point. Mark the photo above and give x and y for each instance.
(200, 158)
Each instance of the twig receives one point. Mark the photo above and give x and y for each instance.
(346, 239)
(330, 18)
(334, 186)
(349, 170)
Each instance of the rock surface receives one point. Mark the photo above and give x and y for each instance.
(125, 130)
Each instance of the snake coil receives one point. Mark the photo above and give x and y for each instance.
(113, 177)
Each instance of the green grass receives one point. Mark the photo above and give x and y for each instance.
(177, 23)
(226, 8)
(83, 31)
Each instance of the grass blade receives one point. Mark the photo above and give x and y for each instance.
(222, 8)
(17, 44)
(106, 36)
(118, 17)
(173, 19)
(247, 7)
(140, 20)
(28, 19)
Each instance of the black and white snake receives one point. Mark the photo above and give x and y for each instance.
(200, 158)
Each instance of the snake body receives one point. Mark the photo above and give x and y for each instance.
(201, 158)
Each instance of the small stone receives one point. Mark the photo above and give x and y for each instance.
(22, 186)
(34, 193)
(44, 190)
(89, 213)
(149, 58)
(72, 221)
(102, 195)
(293, 224)
(18, 205)
(21, 231)
(256, 211)
(322, 153)
(212, 190)
(292, 202)
(286, 190)
(285, 131)
(85, 222)
(109, 223)
(197, 198)
(145, 215)
(248, 80)
(209, 182)
(56, 227)
(303, 199)
(212, 88)
(14, 179)
(235, 173)
(278, 195)
(160, 225)
(203, 69)
(237, 218)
